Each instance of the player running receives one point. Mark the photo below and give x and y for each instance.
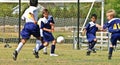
(30, 28)
(91, 28)
(113, 26)
(47, 26)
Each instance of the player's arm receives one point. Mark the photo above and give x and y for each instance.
(111, 30)
(52, 24)
(84, 31)
(100, 28)
(52, 27)
(45, 29)
(32, 17)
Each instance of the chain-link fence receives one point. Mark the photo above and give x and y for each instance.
(65, 16)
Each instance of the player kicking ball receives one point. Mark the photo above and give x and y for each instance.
(30, 28)
(113, 26)
(90, 29)
(47, 26)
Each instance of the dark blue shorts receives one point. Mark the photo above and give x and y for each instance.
(48, 37)
(90, 37)
(30, 29)
(114, 38)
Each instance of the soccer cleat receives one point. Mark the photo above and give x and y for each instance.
(88, 53)
(53, 55)
(109, 57)
(35, 54)
(94, 51)
(45, 53)
(15, 55)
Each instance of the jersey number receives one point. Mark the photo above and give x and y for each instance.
(116, 26)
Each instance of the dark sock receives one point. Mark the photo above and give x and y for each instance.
(41, 47)
(52, 49)
(110, 50)
(92, 45)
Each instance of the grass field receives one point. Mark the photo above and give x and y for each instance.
(67, 56)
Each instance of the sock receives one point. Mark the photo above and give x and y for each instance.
(110, 50)
(45, 49)
(38, 43)
(20, 45)
(92, 45)
(52, 49)
(41, 47)
(89, 46)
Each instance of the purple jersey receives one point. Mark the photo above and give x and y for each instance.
(45, 23)
(113, 27)
(91, 31)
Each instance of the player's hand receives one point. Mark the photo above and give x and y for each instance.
(35, 22)
(52, 30)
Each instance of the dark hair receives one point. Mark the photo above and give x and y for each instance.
(94, 15)
(44, 10)
(34, 3)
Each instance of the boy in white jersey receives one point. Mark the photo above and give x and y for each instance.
(30, 28)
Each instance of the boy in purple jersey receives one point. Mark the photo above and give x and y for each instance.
(91, 28)
(113, 26)
(30, 28)
(47, 26)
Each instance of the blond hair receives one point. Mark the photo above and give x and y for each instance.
(111, 12)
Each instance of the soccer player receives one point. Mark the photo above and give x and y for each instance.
(47, 26)
(41, 34)
(30, 28)
(90, 29)
(113, 26)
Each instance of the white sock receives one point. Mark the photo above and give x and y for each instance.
(20, 45)
(45, 49)
(38, 43)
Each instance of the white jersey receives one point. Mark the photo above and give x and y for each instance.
(27, 17)
(39, 23)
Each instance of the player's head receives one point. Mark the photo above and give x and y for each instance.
(34, 3)
(110, 14)
(93, 17)
(45, 13)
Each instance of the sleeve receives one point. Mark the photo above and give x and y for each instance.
(52, 20)
(42, 25)
(111, 30)
(87, 26)
(105, 26)
(41, 32)
(39, 22)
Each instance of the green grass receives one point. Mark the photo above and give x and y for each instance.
(67, 56)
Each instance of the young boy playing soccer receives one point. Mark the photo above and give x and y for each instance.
(47, 26)
(90, 30)
(41, 34)
(113, 26)
(30, 28)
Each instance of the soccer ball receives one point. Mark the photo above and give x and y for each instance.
(60, 39)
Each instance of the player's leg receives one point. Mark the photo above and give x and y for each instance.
(89, 50)
(17, 50)
(111, 48)
(36, 49)
(45, 50)
(53, 46)
(91, 46)
(25, 36)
